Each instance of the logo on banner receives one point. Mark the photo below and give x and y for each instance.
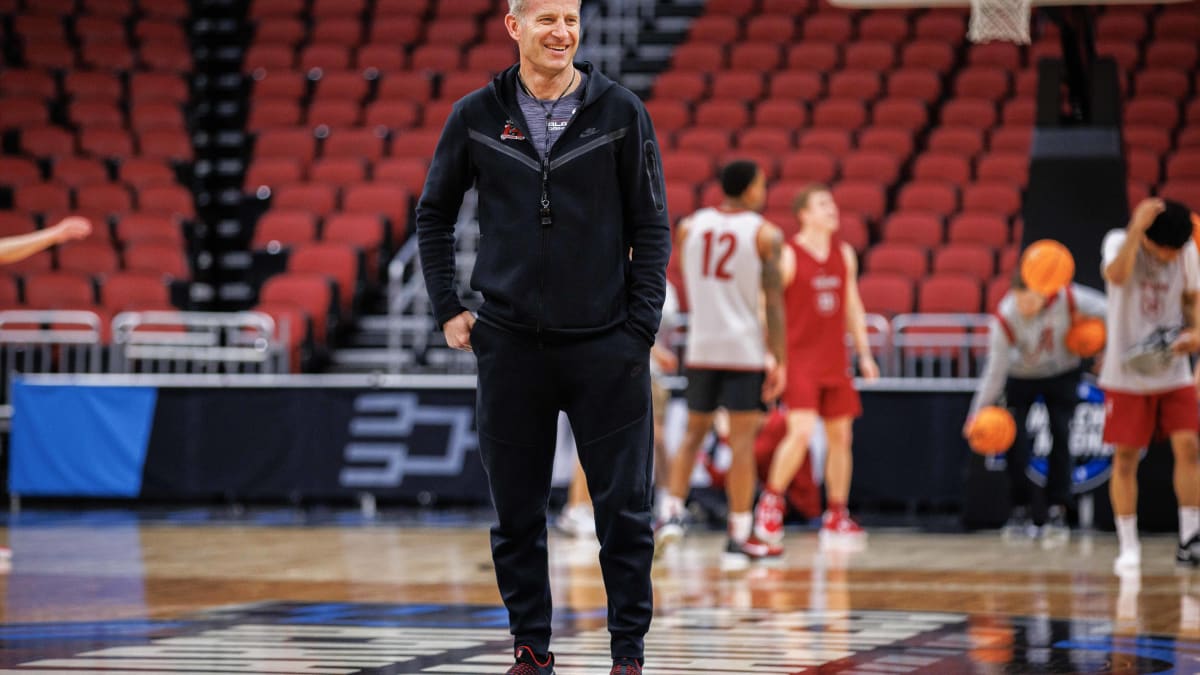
(1091, 457)
(383, 431)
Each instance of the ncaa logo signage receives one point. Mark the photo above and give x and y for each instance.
(1091, 457)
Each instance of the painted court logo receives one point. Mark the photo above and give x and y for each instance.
(511, 132)
(386, 639)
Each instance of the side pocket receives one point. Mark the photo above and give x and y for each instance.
(654, 175)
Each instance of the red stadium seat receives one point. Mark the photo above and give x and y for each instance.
(714, 28)
(338, 171)
(997, 54)
(933, 54)
(134, 291)
(943, 166)
(871, 164)
(139, 172)
(407, 172)
(157, 257)
(59, 290)
(384, 57)
(836, 141)
(47, 141)
(77, 171)
(755, 56)
(389, 201)
(148, 226)
(845, 114)
(993, 197)
(910, 115)
(875, 55)
(94, 257)
(917, 228)
(902, 259)
(284, 226)
(820, 57)
(851, 84)
(106, 143)
(780, 114)
(43, 197)
(982, 82)
(949, 293)
(969, 112)
(737, 85)
(810, 166)
(362, 230)
(680, 86)
(109, 198)
(336, 113)
(887, 294)
(896, 141)
(337, 261)
(978, 228)
(922, 84)
(19, 171)
(934, 197)
(92, 85)
(973, 260)
(865, 198)
(171, 200)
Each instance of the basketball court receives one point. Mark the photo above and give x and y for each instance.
(190, 591)
(116, 590)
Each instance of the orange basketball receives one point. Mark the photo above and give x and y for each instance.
(993, 431)
(1086, 337)
(1047, 266)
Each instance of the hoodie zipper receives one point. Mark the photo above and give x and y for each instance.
(544, 214)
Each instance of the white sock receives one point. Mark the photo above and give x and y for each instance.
(740, 525)
(670, 507)
(1189, 523)
(1127, 533)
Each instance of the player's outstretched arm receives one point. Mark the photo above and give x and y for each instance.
(856, 317)
(19, 247)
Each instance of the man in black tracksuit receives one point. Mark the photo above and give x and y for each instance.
(574, 242)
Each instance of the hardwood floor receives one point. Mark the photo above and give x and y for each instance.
(67, 575)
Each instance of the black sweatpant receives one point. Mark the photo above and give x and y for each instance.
(1060, 394)
(603, 384)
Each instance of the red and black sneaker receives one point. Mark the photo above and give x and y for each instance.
(528, 663)
(768, 517)
(626, 666)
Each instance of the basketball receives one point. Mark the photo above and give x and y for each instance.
(1047, 266)
(1086, 337)
(993, 431)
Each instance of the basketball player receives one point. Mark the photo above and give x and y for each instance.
(1152, 276)
(1027, 358)
(19, 247)
(729, 256)
(821, 296)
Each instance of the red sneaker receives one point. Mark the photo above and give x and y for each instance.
(758, 550)
(839, 526)
(768, 517)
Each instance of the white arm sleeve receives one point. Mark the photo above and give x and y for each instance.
(1089, 301)
(991, 385)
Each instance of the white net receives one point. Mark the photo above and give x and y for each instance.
(1006, 20)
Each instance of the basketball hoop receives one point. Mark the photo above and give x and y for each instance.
(1006, 20)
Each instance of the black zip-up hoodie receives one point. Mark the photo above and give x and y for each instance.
(574, 276)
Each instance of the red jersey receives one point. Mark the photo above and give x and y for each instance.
(815, 302)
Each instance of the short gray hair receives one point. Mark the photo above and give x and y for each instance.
(517, 7)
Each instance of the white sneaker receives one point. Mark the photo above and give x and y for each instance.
(577, 521)
(1129, 562)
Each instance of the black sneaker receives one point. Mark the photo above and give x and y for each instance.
(1019, 526)
(1055, 529)
(626, 666)
(1188, 555)
(528, 664)
(734, 559)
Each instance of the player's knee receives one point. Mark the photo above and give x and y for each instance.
(1125, 462)
(1186, 448)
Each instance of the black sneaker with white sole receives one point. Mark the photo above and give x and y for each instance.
(1188, 555)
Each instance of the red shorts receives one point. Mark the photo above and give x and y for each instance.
(1131, 419)
(831, 398)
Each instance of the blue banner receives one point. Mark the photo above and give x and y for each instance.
(79, 441)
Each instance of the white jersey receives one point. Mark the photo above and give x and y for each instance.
(722, 273)
(1148, 305)
(1033, 347)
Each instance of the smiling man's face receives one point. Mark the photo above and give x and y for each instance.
(547, 33)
